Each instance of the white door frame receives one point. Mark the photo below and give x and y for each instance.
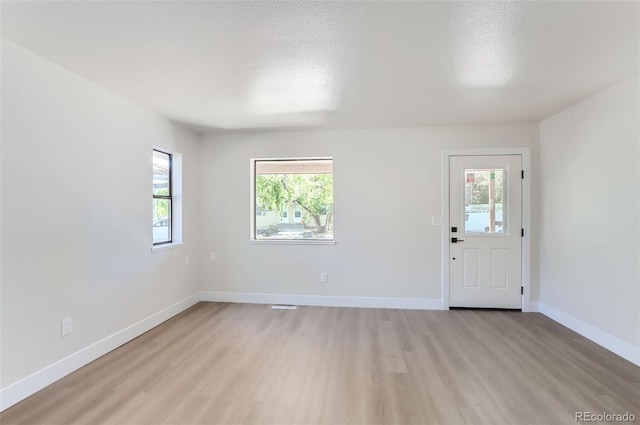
(526, 216)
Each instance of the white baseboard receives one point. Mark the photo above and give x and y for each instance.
(33, 383)
(600, 337)
(29, 385)
(323, 300)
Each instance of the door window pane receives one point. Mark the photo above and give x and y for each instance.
(484, 196)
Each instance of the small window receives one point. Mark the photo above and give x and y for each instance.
(162, 198)
(295, 197)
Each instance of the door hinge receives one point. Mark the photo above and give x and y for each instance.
(522, 232)
(522, 173)
(522, 290)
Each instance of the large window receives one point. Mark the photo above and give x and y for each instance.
(162, 198)
(293, 199)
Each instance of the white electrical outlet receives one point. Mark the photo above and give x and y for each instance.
(187, 260)
(323, 277)
(66, 326)
(212, 256)
(436, 221)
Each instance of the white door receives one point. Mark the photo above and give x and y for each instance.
(485, 237)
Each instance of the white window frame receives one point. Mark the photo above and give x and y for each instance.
(176, 202)
(252, 203)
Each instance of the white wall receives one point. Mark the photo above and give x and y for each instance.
(387, 186)
(590, 215)
(76, 214)
(76, 211)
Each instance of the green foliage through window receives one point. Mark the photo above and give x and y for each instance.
(294, 205)
(162, 197)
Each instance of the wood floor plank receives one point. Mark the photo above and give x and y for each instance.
(220, 363)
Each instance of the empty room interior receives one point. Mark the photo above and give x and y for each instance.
(257, 212)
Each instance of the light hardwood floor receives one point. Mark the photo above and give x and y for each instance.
(220, 363)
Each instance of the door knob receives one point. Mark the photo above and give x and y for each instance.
(456, 240)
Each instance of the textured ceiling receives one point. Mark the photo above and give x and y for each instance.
(245, 65)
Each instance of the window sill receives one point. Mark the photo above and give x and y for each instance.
(166, 246)
(292, 242)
